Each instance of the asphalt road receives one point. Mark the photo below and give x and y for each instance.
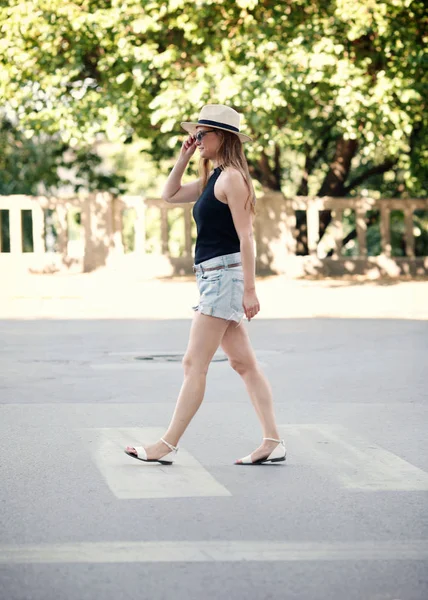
(346, 518)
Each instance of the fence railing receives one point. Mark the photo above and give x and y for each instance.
(287, 233)
(361, 207)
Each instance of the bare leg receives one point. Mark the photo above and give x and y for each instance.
(205, 336)
(236, 344)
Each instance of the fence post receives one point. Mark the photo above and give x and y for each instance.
(337, 226)
(140, 226)
(62, 224)
(97, 222)
(361, 225)
(313, 223)
(409, 237)
(116, 225)
(385, 231)
(290, 228)
(15, 224)
(164, 230)
(38, 229)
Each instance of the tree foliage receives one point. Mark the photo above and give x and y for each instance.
(333, 93)
(43, 164)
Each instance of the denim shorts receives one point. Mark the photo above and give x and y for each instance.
(221, 291)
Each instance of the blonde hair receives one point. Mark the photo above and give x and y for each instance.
(230, 154)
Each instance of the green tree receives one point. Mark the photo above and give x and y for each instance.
(334, 93)
(32, 165)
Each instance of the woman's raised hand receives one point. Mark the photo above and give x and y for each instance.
(188, 148)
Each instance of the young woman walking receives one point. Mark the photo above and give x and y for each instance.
(225, 272)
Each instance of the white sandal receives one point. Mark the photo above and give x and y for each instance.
(277, 455)
(141, 454)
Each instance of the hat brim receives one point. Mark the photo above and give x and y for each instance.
(190, 127)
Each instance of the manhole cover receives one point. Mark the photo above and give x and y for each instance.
(159, 357)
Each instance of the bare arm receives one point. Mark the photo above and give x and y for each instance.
(236, 192)
(174, 191)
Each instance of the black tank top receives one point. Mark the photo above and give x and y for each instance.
(216, 231)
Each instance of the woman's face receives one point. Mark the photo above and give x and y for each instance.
(209, 144)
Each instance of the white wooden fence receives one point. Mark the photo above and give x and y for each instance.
(275, 234)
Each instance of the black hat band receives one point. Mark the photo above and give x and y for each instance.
(217, 124)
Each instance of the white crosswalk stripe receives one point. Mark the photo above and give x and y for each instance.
(357, 463)
(213, 551)
(128, 478)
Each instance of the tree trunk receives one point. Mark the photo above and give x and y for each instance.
(312, 158)
(334, 182)
(268, 175)
(304, 187)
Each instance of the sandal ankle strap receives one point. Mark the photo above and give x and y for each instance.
(170, 446)
(273, 440)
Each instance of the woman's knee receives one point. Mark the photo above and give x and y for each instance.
(243, 367)
(193, 364)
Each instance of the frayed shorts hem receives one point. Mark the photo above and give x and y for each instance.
(213, 312)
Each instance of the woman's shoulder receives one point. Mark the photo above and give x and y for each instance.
(232, 176)
(229, 169)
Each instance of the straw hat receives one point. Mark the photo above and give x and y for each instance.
(218, 116)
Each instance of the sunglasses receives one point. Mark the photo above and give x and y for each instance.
(200, 135)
